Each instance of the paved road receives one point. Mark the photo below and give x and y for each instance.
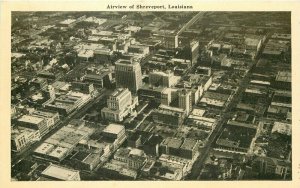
(225, 116)
(198, 165)
(191, 22)
(75, 115)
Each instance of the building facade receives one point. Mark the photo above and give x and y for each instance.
(119, 104)
(185, 100)
(55, 172)
(35, 123)
(128, 74)
(163, 79)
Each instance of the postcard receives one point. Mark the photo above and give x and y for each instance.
(159, 93)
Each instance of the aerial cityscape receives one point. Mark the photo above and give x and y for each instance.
(146, 96)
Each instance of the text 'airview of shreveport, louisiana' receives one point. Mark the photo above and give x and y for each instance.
(150, 96)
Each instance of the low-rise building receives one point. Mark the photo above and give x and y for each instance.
(38, 83)
(281, 106)
(118, 172)
(116, 133)
(33, 122)
(138, 138)
(65, 104)
(189, 149)
(82, 87)
(51, 117)
(215, 99)
(103, 55)
(151, 145)
(203, 123)
(101, 80)
(62, 143)
(67, 23)
(184, 148)
(59, 173)
(151, 93)
(282, 128)
(134, 158)
(22, 137)
(168, 115)
(158, 78)
(169, 168)
(206, 71)
(100, 147)
(23, 167)
(236, 137)
(85, 160)
(138, 49)
(271, 166)
(283, 80)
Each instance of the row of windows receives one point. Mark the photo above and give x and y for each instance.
(129, 69)
(22, 141)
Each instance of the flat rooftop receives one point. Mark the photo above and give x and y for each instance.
(103, 51)
(174, 109)
(67, 98)
(113, 128)
(44, 148)
(124, 152)
(67, 21)
(103, 33)
(120, 169)
(260, 82)
(147, 87)
(59, 152)
(283, 128)
(162, 73)
(80, 155)
(204, 119)
(86, 53)
(119, 92)
(172, 142)
(188, 144)
(60, 172)
(30, 119)
(252, 41)
(198, 112)
(91, 158)
(125, 62)
(284, 76)
(216, 96)
(44, 114)
(59, 84)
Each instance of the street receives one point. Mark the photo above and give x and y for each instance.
(225, 116)
(75, 115)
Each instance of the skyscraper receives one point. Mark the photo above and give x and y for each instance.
(185, 100)
(119, 104)
(128, 74)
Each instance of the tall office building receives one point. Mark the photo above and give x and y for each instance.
(194, 45)
(185, 100)
(119, 100)
(119, 104)
(128, 74)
